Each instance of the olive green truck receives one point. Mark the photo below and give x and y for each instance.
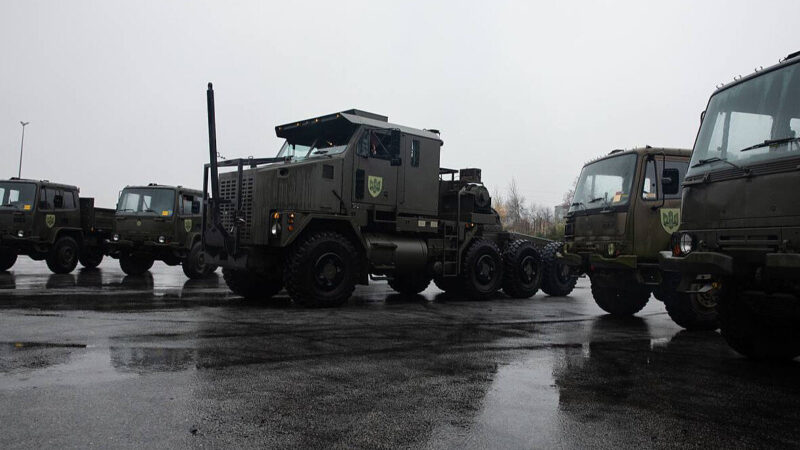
(739, 236)
(350, 197)
(50, 221)
(159, 223)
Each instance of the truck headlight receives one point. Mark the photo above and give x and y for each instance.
(685, 243)
(276, 228)
(21, 233)
(115, 238)
(162, 239)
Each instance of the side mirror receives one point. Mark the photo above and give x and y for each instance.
(363, 147)
(396, 162)
(395, 142)
(670, 181)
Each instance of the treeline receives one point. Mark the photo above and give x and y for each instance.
(521, 216)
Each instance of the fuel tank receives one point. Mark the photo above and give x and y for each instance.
(392, 253)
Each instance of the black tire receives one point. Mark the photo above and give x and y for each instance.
(7, 261)
(91, 257)
(322, 270)
(450, 285)
(409, 283)
(134, 264)
(481, 270)
(63, 257)
(557, 280)
(620, 302)
(193, 265)
(522, 274)
(251, 286)
(754, 334)
(695, 312)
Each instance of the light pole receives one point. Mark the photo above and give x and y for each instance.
(21, 146)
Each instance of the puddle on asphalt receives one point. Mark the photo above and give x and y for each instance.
(78, 367)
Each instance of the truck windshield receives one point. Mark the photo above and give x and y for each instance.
(20, 196)
(325, 144)
(146, 201)
(752, 122)
(605, 183)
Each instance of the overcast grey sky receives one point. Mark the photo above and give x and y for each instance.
(115, 91)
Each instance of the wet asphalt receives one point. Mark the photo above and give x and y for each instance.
(98, 359)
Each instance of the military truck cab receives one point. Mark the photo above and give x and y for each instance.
(351, 196)
(626, 206)
(739, 237)
(159, 223)
(49, 221)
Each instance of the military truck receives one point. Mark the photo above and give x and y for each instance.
(739, 237)
(351, 196)
(159, 223)
(625, 209)
(49, 221)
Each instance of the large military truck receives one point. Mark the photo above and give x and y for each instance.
(739, 237)
(351, 196)
(626, 206)
(49, 221)
(159, 223)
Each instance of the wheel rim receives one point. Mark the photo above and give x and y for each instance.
(66, 255)
(528, 270)
(485, 269)
(329, 271)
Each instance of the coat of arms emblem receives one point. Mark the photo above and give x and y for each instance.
(670, 219)
(375, 185)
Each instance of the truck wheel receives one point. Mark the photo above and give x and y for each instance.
(193, 265)
(482, 270)
(522, 275)
(322, 270)
(63, 257)
(134, 264)
(693, 312)
(251, 286)
(557, 280)
(450, 285)
(620, 302)
(409, 283)
(90, 257)
(7, 261)
(753, 334)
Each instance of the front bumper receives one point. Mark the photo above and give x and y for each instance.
(130, 246)
(697, 262)
(586, 261)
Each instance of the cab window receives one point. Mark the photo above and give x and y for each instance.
(670, 177)
(190, 205)
(47, 197)
(414, 153)
(67, 200)
(377, 144)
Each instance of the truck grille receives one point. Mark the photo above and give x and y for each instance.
(227, 191)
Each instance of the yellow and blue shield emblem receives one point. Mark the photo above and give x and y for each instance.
(375, 185)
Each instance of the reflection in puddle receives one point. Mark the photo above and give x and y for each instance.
(144, 360)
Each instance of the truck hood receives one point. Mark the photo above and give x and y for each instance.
(758, 201)
(599, 227)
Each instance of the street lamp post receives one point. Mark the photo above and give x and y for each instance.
(21, 146)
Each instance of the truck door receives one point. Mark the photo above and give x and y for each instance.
(420, 176)
(377, 161)
(659, 203)
(189, 218)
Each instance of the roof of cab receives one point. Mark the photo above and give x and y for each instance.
(164, 186)
(356, 117)
(646, 150)
(791, 58)
(43, 182)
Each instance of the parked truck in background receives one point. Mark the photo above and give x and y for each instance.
(351, 196)
(159, 223)
(625, 209)
(739, 237)
(51, 222)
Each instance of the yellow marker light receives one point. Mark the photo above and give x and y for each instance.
(165, 213)
(276, 216)
(26, 207)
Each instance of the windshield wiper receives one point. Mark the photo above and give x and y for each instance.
(595, 199)
(126, 210)
(715, 159)
(770, 142)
